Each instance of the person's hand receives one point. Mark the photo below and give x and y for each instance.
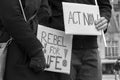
(101, 24)
(38, 62)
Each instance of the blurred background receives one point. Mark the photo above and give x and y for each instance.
(110, 53)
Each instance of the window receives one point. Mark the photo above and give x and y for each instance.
(112, 50)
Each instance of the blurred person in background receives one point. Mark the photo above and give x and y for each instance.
(117, 69)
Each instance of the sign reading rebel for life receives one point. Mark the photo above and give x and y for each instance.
(79, 18)
(57, 48)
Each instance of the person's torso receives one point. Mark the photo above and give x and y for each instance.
(56, 5)
(57, 11)
(57, 22)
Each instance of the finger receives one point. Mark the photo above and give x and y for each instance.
(47, 66)
(100, 25)
(99, 20)
(35, 68)
(39, 68)
(103, 27)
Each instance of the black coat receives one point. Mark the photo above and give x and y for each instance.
(56, 21)
(25, 43)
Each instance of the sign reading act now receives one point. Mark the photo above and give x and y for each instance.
(79, 18)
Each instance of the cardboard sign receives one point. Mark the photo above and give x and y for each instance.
(79, 18)
(57, 48)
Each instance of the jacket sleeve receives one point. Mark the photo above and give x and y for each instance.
(44, 12)
(15, 25)
(105, 8)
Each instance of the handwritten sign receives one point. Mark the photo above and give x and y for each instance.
(79, 18)
(57, 48)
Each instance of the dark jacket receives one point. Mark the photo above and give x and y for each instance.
(25, 43)
(56, 21)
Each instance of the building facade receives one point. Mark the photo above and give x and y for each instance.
(111, 52)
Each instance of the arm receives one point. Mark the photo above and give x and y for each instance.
(105, 13)
(105, 9)
(16, 26)
(44, 13)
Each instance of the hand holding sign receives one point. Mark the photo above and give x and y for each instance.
(79, 18)
(101, 24)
